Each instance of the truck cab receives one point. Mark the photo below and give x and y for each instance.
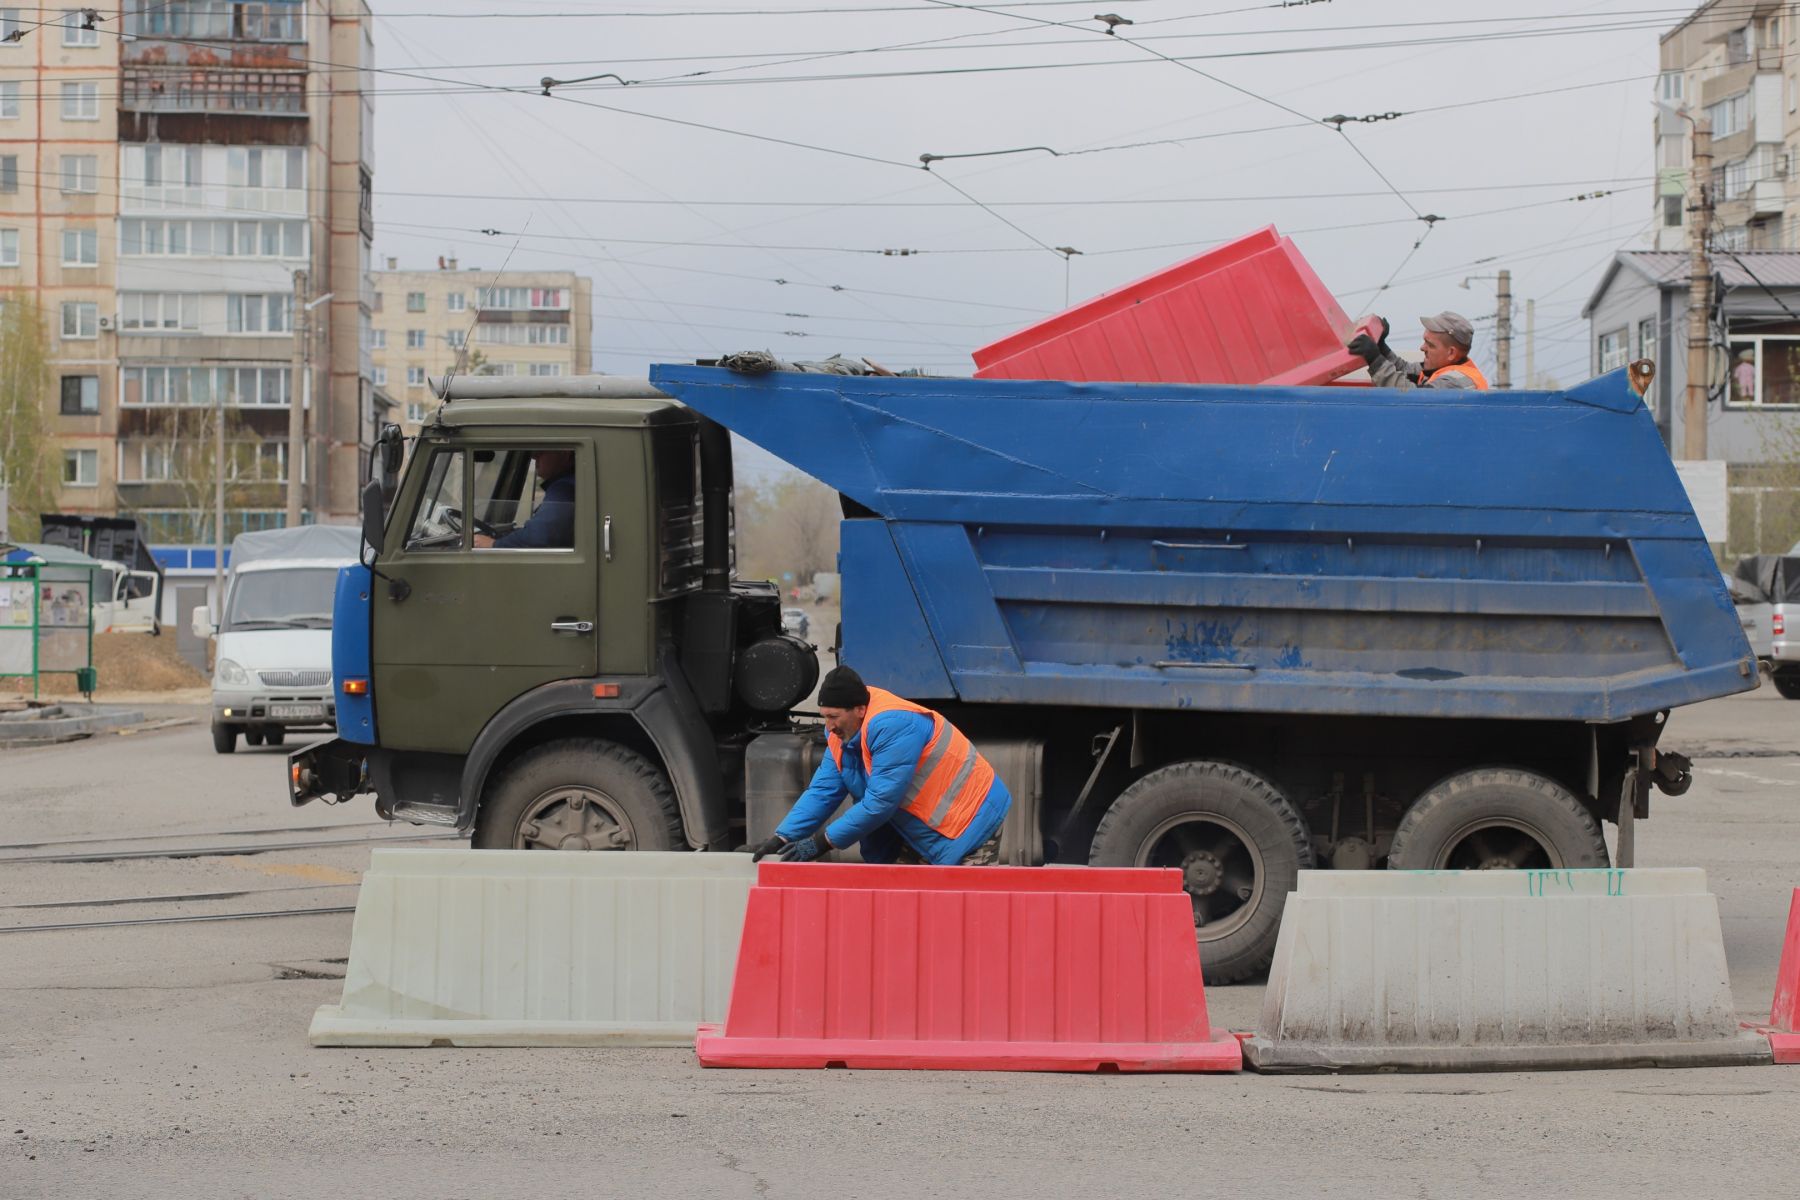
(587, 689)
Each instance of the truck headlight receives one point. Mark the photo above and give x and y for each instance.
(229, 672)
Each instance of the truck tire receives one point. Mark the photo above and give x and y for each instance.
(1497, 818)
(1238, 841)
(1787, 683)
(224, 738)
(577, 794)
(274, 737)
(253, 737)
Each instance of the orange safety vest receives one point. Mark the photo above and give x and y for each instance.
(1465, 367)
(951, 779)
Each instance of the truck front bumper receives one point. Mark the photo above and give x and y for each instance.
(265, 710)
(333, 771)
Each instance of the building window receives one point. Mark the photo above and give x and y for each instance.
(9, 247)
(415, 377)
(518, 298)
(1668, 85)
(80, 248)
(380, 376)
(546, 368)
(80, 395)
(157, 166)
(415, 339)
(80, 319)
(238, 387)
(9, 27)
(1734, 237)
(1646, 336)
(1730, 115)
(265, 167)
(9, 172)
(415, 411)
(415, 302)
(456, 337)
(81, 468)
(456, 302)
(258, 313)
(1615, 348)
(165, 312)
(143, 236)
(9, 100)
(1765, 371)
(523, 335)
(80, 173)
(378, 339)
(75, 29)
(81, 101)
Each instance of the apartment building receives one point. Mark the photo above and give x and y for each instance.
(186, 172)
(427, 323)
(1738, 64)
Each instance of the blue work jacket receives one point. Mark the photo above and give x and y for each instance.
(877, 820)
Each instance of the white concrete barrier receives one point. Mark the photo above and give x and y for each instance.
(1499, 970)
(529, 948)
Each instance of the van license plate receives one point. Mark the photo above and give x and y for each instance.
(297, 711)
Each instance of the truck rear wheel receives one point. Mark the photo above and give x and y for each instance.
(579, 795)
(1787, 683)
(1238, 842)
(1497, 818)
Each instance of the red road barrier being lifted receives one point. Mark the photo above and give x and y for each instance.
(968, 968)
(1249, 312)
(1784, 1014)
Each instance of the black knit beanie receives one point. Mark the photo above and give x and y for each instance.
(843, 688)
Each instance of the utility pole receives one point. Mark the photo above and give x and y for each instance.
(1503, 334)
(219, 506)
(1693, 414)
(1531, 345)
(300, 319)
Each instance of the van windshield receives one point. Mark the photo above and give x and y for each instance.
(290, 598)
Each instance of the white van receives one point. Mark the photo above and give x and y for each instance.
(272, 663)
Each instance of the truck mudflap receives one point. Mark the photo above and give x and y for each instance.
(333, 771)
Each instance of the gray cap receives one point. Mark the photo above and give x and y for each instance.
(1454, 326)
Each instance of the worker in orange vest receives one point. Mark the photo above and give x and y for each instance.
(1448, 337)
(923, 793)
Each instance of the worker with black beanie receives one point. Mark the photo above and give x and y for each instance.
(923, 793)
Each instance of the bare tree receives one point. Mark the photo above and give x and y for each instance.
(787, 527)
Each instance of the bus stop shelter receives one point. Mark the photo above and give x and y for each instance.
(47, 614)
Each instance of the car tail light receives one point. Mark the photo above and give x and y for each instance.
(1777, 624)
(356, 687)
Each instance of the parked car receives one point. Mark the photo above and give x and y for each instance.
(794, 621)
(1766, 589)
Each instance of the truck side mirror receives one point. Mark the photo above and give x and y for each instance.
(374, 522)
(201, 622)
(390, 449)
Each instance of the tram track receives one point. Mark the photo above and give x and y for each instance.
(194, 918)
(219, 851)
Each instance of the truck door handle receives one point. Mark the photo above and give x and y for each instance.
(606, 538)
(571, 627)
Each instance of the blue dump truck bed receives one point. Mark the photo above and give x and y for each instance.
(1334, 550)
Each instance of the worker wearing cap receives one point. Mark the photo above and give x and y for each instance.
(923, 793)
(1448, 337)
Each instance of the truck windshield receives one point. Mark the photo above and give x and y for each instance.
(291, 598)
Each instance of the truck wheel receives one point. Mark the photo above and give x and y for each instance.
(1497, 818)
(579, 795)
(1237, 841)
(224, 738)
(253, 737)
(1787, 683)
(274, 737)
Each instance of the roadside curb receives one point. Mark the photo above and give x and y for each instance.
(95, 719)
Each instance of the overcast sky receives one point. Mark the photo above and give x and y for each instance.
(685, 230)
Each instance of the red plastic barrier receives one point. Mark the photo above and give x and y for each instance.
(968, 968)
(1248, 312)
(1784, 1014)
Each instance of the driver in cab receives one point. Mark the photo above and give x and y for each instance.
(552, 526)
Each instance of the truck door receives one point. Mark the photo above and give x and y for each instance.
(494, 588)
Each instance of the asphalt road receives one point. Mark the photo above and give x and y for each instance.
(171, 1060)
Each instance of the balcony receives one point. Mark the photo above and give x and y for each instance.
(211, 90)
(1768, 198)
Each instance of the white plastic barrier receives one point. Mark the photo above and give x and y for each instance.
(529, 948)
(1499, 970)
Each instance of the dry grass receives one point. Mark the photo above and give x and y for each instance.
(126, 662)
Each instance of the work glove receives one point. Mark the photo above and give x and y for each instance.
(807, 849)
(772, 846)
(1369, 349)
